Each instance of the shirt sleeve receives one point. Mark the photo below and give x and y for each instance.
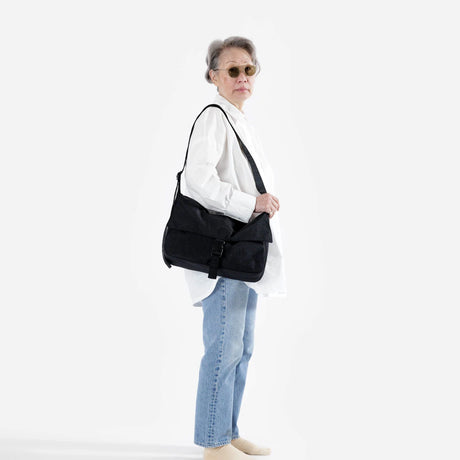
(206, 148)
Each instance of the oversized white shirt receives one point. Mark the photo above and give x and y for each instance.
(218, 175)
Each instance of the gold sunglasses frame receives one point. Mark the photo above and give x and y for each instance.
(239, 67)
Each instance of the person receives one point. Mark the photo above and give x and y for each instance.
(219, 177)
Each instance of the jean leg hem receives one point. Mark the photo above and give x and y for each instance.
(218, 444)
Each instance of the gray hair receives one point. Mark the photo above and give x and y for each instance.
(217, 46)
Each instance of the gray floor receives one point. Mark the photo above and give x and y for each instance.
(36, 449)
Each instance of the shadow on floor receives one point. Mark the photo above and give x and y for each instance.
(38, 449)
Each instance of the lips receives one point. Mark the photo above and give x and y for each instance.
(242, 89)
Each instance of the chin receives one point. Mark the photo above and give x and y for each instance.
(244, 94)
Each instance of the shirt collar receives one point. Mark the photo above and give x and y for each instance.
(229, 107)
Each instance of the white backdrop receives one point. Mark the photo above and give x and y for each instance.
(357, 106)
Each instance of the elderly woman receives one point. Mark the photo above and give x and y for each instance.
(218, 176)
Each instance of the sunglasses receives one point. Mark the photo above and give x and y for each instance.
(234, 71)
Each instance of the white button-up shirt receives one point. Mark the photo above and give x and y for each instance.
(217, 175)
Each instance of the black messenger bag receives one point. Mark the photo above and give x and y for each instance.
(219, 245)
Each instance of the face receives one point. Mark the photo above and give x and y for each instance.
(236, 90)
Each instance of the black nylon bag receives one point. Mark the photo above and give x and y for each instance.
(203, 240)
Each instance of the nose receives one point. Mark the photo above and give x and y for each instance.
(242, 77)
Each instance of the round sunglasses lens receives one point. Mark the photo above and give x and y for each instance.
(233, 72)
(250, 70)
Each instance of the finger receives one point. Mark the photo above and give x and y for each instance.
(276, 204)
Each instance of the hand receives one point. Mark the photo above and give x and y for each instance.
(267, 203)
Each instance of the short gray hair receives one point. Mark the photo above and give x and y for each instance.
(217, 46)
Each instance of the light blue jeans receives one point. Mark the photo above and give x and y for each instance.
(228, 337)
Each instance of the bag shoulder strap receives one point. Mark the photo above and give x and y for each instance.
(255, 172)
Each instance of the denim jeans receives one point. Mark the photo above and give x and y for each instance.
(228, 337)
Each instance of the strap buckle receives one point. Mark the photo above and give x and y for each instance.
(218, 248)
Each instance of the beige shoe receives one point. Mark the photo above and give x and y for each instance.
(226, 452)
(249, 448)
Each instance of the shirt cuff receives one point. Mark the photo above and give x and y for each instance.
(241, 205)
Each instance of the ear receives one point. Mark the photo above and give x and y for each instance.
(212, 75)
